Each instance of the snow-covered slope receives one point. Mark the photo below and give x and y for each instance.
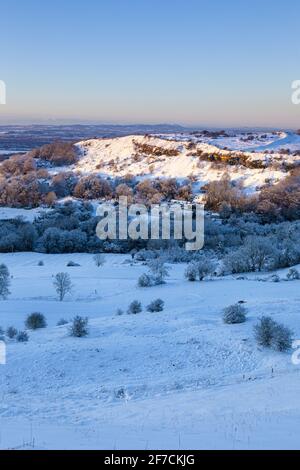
(176, 379)
(161, 157)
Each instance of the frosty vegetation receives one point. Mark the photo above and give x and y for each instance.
(63, 285)
(234, 314)
(79, 327)
(270, 334)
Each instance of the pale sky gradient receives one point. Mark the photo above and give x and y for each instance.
(215, 63)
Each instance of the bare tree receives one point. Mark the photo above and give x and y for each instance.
(4, 281)
(62, 284)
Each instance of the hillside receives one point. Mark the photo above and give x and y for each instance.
(162, 157)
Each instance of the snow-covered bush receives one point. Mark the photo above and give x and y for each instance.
(191, 271)
(275, 278)
(282, 338)
(135, 307)
(72, 264)
(79, 327)
(11, 332)
(62, 284)
(120, 312)
(269, 333)
(159, 271)
(145, 280)
(41, 263)
(22, 337)
(205, 267)
(156, 306)
(4, 281)
(293, 274)
(99, 259)
(234, 314)
(62, 322)
(35, 321)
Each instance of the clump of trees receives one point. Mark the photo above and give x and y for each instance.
(92, 187)
(58, 153)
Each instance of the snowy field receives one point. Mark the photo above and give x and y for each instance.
(176, 379)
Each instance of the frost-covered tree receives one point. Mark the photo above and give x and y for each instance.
(99, 259)
(205, 267)
(4, 281)
(258, 251)
(191, 271)
(62, 284)
(159, 270)
(145, 280)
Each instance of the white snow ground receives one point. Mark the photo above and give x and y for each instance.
(176, 379)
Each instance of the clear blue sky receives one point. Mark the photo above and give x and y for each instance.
(215, 62)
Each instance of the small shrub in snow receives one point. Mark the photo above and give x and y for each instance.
(234, 314)
(293, 274)
(62, 284)
(191, 272)
(41, 263)
(145, 280)
(268, 333)
(35, 321)
(79, 327)
(11, 332)
(99, 259)
(275, 278)
(120, 312)
(120, 394)
(62, 322)
(72, 264)
(135, 307)
(156, 306)
(22, 337)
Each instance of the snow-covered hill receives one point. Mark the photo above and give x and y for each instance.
(154, 156)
